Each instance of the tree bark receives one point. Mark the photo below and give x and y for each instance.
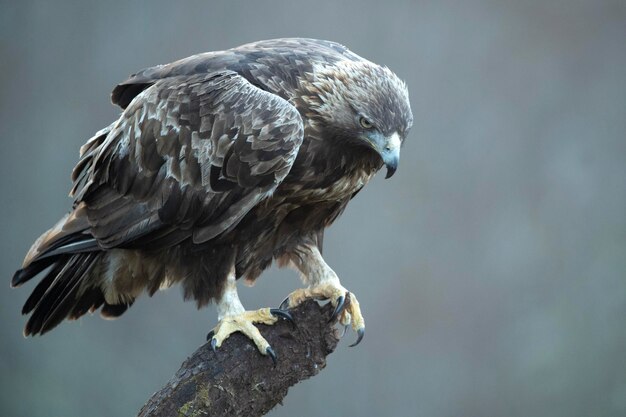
(238, 380)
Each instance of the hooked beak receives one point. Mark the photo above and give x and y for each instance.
(391, 160)
(389, 150)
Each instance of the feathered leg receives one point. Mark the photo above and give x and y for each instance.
(234, 318)
(323, 283)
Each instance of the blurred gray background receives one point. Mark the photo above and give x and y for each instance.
(491, 268)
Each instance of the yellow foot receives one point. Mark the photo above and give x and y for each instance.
(244, 323)
(346, 314)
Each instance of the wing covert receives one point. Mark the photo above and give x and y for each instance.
(189, 156)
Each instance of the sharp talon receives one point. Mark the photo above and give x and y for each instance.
(285, 304)
(210, 335)
(271, 354)
(340, 303)
(214, 345)
(282, 313)
(360, 333)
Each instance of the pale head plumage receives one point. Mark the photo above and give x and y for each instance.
(345, 91)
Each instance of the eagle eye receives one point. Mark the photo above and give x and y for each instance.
(365, 124)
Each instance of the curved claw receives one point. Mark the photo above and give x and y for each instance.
(285, 304)
(341, 300)
(284, 314)
(360, 333)
(270, 352)
(210, 335)
(281, 313)
(214, 345)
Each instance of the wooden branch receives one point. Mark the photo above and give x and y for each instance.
(238, 380)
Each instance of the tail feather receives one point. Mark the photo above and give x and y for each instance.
(71, 228)
(73, 244)
(67, 255)
(42, 287)
(88, 302)
(61, 296)
(112, 311)
(66, 301)
(85, 244)
(67, 290)
(29, 271)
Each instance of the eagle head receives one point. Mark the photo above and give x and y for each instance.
(364, 104)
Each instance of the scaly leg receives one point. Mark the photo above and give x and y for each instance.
(234, 318)
(323, 283)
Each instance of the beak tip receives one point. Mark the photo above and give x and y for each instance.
(390, 172)
(392, 165)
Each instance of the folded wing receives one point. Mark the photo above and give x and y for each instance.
(189, 157)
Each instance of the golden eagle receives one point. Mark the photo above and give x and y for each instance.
(219, 164)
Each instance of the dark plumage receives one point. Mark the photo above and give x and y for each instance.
(219, 164)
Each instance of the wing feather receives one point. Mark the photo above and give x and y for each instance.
(189, 158)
